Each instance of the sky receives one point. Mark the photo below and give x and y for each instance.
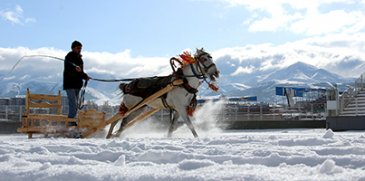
(165, 27)
(130, 39)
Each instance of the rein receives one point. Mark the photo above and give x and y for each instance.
(83, 88)
(29, 56)
(80, 102)
(119, 80)
(186, 57)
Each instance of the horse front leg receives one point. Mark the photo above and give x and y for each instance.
(173, 118)
(188, 122)
(191, 127)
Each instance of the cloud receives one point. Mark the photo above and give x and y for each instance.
(123, 65)
(16, 16)
(117, 65)
(243, 70)
(316, 17)
(338, 53)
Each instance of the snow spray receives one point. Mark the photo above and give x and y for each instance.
(206, 118)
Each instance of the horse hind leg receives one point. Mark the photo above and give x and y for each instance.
(121, 128)
(110, 132)
(128, 102)
(122, 110)
(129, 118)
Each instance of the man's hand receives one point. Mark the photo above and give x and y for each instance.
(78, 69)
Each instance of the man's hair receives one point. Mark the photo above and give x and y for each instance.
(75, 44)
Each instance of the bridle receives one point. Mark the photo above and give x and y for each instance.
(201, 63)
(186, 59)
(203, 68)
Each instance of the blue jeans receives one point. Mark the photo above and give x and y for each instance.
(73, 97)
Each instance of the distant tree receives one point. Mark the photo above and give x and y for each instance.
(106, 107)
(91, 105)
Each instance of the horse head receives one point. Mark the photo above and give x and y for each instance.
(205, 64)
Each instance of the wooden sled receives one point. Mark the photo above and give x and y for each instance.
(88, 122)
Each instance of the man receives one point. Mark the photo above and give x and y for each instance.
(73, 75)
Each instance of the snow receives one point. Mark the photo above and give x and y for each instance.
(145, 153)
(293, 154)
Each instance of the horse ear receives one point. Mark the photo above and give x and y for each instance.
(199, 50)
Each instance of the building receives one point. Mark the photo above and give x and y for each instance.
(4, 101)
(17, 101)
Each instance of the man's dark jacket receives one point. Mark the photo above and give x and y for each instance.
(71, 78)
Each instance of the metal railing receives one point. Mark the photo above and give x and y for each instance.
(360, 82)
(310, 111)
(346, 98)
(351, 93)
(13, 112)
(229, 112)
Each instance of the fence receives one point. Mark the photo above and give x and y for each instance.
(231, 112)
(350, 94)
(13, 113)
(309, 111)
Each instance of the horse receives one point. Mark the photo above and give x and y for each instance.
(193, 71)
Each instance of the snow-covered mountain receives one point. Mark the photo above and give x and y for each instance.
(245, 71)
(302, 73)
(258, 83)
(262, 83)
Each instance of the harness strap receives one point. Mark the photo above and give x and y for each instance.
(192, 106)
(188, 87)
(164, 102)
(115, 80)
(172, 63)
(180, 75)
(201, 76)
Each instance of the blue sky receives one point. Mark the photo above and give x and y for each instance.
(138, 37)
(145, 27)
(165, 27)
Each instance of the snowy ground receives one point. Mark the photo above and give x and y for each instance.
(144, 153)
(313, 154)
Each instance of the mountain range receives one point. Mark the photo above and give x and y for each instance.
(262, 83)
(252, 81)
